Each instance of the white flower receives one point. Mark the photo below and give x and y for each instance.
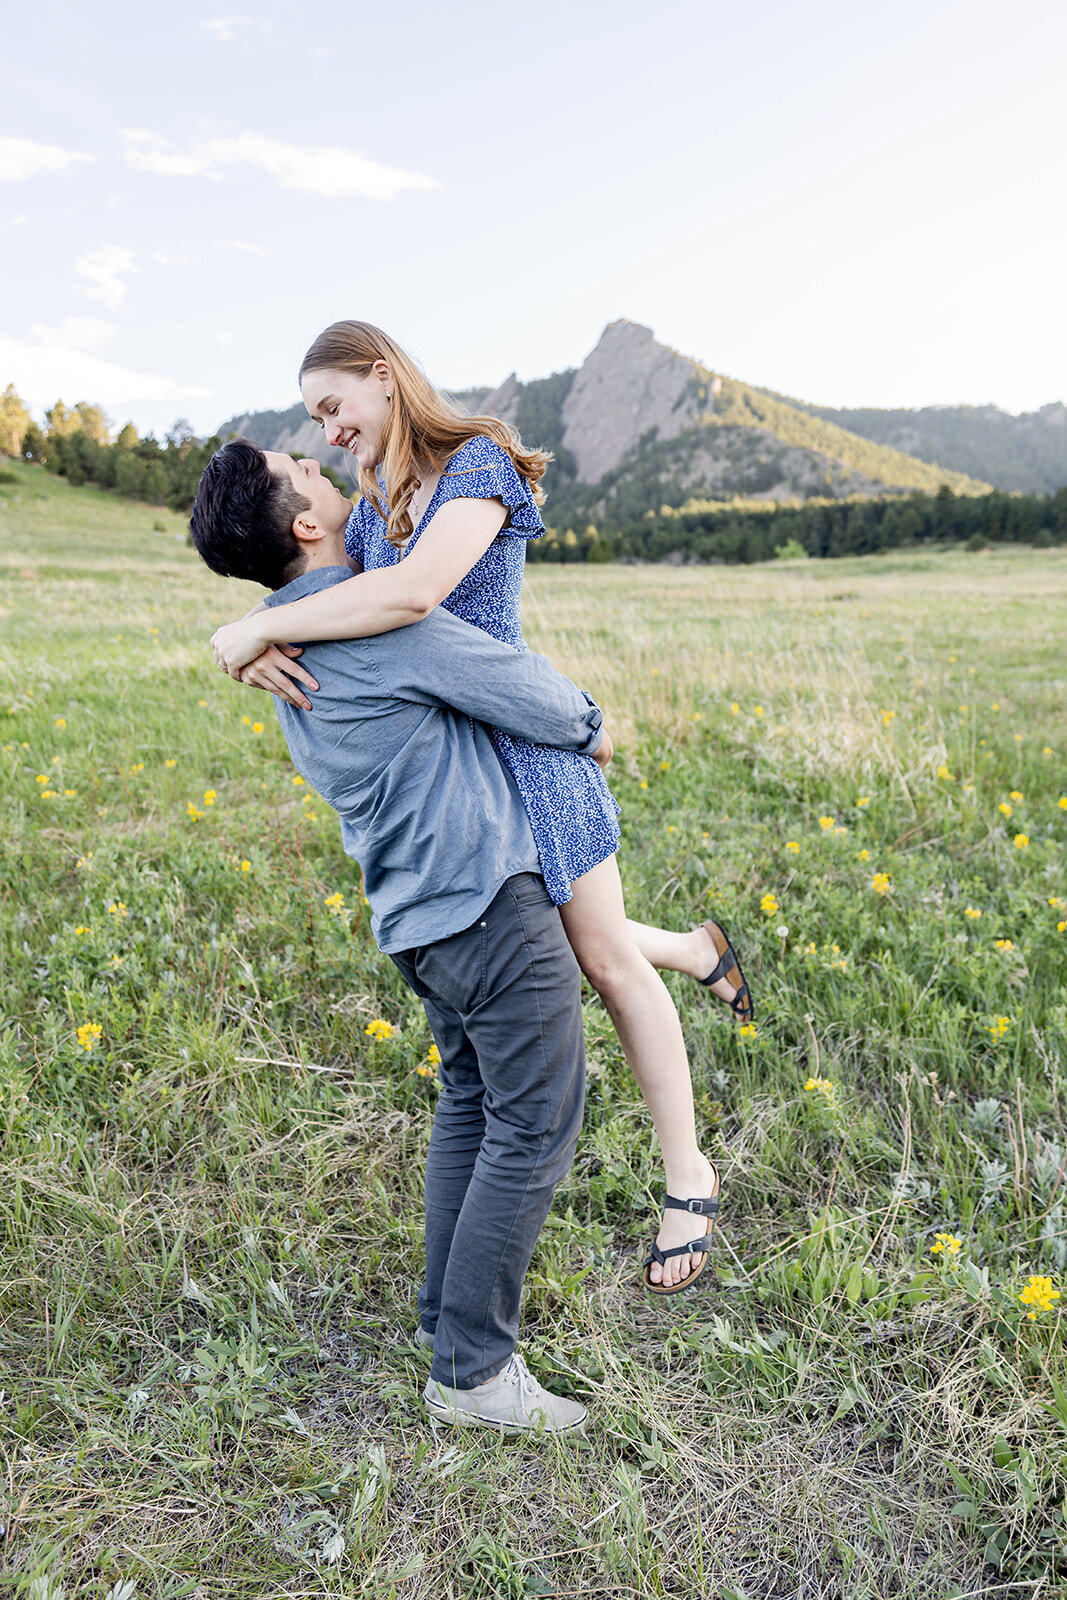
(783, 931)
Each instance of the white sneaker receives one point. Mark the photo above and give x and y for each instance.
(513, 1402)
(423, 1339)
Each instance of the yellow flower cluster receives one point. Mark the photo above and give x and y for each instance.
(117, 908)
(826, 823)
(379, 1030)
(826, 1087)
(1040, 1293)
(791, 844)
(336, 904)
(1004, 808)
(1022, 841)
(887, 717)
(998, 1028)
(943, 772)
(768, 905)
(210, 796)
(748, 1030)
(193, 813)
(89, 1035)
(947, 1243)
(433, 1056)
(972, 912)
(880, 883)
(1004, 944)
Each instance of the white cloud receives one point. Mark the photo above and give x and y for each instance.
(167, 258)
(91, 334)
(43, 369)
(21, 159)
(326, 170)
(103, 268)
(226, 30)
(242, 244)
(16, 222)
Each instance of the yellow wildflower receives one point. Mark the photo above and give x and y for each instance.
(747, 1030)
(825, 823)
(170, 762)
(1022, 841)
(1040, 1293)
(379, 1030)
(791, 844)
(1003, 944)
(880, 883)
(943, 772)
(257, 727)
(210, 796)
(758, 710)
(60, 722)
(1016, 794)
(89, 1035)
(117, 909)
(768, 905)
(972, 912)
(998, 1028)
(1004, 808)
(947, 1243)
(297, 779)
(864, 800)
(246, 866)
(433, 1056)
(335, 903)
(735, 709)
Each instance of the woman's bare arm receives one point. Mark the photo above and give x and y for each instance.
(454, 540)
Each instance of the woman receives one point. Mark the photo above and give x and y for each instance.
(448, 500)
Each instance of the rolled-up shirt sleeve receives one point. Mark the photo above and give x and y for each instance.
(442, 661)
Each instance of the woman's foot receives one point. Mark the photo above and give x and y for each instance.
(679, 1227)
(719, 956)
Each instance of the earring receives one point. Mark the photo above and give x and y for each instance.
(389, 396)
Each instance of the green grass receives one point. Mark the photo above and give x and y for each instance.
(210, 1235)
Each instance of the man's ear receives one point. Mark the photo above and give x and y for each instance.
(306, 529)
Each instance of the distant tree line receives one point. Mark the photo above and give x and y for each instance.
(745, 531)
(76, 444)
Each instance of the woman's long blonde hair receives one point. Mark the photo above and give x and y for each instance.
(421, 425)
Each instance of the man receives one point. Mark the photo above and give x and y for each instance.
(394, 741)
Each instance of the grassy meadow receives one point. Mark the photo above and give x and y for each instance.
(210, 1161)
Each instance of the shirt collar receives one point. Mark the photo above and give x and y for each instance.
(308, 583)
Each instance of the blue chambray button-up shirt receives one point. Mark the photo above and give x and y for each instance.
(394, 742)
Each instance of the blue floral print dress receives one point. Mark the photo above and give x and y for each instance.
(571, 809)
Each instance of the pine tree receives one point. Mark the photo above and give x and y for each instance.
(14, 420)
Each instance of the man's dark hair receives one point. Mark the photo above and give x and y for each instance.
(242, 521)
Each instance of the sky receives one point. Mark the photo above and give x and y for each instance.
(851, 204)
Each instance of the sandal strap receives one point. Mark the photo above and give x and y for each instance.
(726, 961)
(694, 1247)
(704, 1207)
(741, 1004)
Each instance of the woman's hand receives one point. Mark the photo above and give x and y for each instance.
(276, 670)
(237, 643)
(604, 751)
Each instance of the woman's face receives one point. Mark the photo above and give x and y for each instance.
(351, 410)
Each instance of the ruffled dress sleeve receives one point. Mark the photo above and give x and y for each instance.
(482, 470)
(355, 529)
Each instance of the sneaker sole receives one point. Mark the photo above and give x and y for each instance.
(471, 1419)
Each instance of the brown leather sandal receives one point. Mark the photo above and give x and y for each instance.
(702, 1207)
(728, 967)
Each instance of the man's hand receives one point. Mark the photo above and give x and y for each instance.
(275, 670)
(606, 750)
(237, 643)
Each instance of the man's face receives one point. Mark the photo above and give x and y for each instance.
(329, 507)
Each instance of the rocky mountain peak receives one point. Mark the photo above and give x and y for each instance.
(627, 387)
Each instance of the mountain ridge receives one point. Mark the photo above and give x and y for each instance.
(639, 425)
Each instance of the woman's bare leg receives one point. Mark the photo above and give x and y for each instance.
(693, 953)
(651, 1037)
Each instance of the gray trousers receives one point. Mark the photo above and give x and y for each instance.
(503, 999)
